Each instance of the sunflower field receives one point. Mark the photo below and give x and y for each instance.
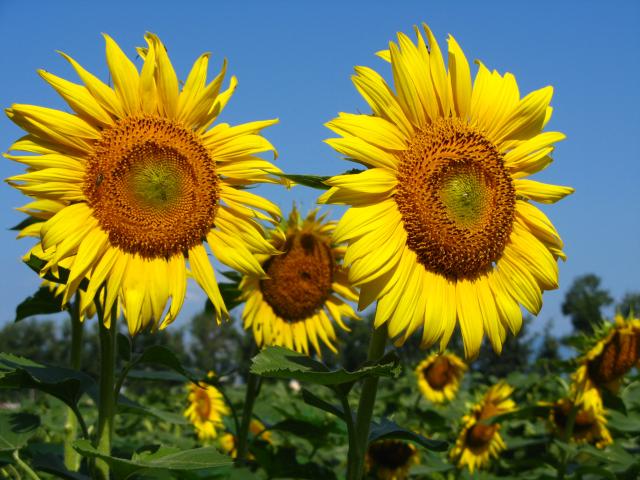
(384, 339)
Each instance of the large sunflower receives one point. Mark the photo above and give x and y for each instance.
(590, 423)
(305, 284)
(441, 226)
(479, 441)
(390, 459)
(206, 409)
(439, 376)
(616, 351)
(143, 182)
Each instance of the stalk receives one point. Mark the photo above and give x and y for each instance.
(71, 457)
(253, 385)
(355, 461)
(107, 405)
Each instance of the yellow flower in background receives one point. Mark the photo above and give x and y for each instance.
(616, 352)
(439, 376)
(229, 443)
(390, 459)
(206, 409)
(479, 441)
(442, 228)
(590, 424)
(144, 182)
(305, 287)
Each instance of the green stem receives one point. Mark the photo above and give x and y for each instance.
(568, 432)
(355, 465)
(27, 469)
(234, 414)
(107, 406)
(253, 385)
(71, 457)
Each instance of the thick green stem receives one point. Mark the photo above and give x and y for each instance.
(71, 457)
(355, 466)
(253, 385)
(107, 406)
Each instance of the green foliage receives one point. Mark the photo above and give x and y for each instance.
(584, 301)
(630, 304)
(16, 429)
(42, 302)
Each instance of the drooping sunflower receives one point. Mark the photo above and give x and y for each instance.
(305, 287)
(616, 351)
(390, 459)
(439, 376)
(590, 423)
(206, 409)
(442, 228)
(144, 182)
(479, 441)
(229, 443)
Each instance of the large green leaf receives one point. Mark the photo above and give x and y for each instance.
(280, 362)
(162, 459)
(315, 401)
(43, 302)
(388, 429)
(16, 429)
(63, 383)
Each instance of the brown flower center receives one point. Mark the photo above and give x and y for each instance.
(203, 404)
(439, 374)
(583, 423)
(300, 279)
(480, 435)
(456, 198)
(153, 187)
(618, 356)
(390, 454)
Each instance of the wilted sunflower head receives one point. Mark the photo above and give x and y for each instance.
(304, 285)
(206, 409)
(479, 440)
(229, 442)
(439, 376)
(589, 424)
(390, 459)
(615, 350)
(133, 183)
(442, 227)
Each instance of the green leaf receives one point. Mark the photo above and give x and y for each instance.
(388, 429)
(315, 401)
(127, 405)
(313, 181)
(162, 459)
(156, 375)
(43, 302)
(63, 383)
(280, 362)
(25, 223)
(16, 429)
(230, 294)
(159, 355)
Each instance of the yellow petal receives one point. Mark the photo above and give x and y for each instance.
(204, 275)
(541, 192)
(460, 79)
(125, 76)
(375, 130)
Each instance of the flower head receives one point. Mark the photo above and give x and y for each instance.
(305, 286)
(439, 376)
(134, 183)
(442, 229)
(206, 409)
(390, 459)
(478, 441)
(229, 442)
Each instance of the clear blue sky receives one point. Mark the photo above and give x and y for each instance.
(294, 61)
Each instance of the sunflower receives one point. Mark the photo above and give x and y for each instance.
(140, 182)
(590, 424)
(305, 284)
(390, 459)
(441, 227)
(206, 409)
(616, 351)
(439, 376)
(479, 441)
(229, 443)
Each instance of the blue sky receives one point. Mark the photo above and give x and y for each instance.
(293, 61)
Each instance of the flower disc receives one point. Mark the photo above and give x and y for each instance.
(456, 199)
(153, 186)
(300, 279)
